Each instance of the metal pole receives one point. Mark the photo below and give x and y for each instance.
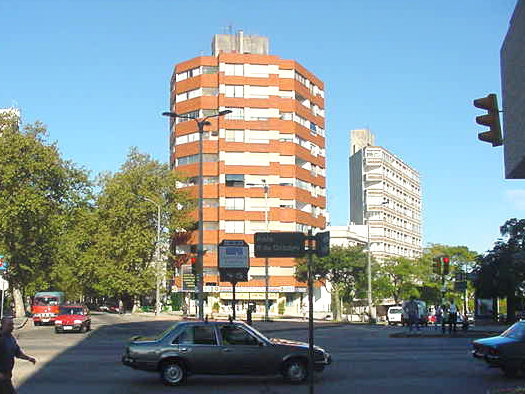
(266, 267)
(200, 246)
(2, 307)
(233, 300)
(157, 265)
(310, 314)
(369, 275)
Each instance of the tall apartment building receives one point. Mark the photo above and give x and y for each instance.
(513, 93)
(385, 195)
(273, 137)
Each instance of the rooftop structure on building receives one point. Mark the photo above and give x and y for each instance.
(263, 163)
(385, 195)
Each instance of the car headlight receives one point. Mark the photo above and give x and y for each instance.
(77, 321)
(58, 321)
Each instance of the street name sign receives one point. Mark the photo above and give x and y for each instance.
(234, 261)
(234, 254)
(281, 244)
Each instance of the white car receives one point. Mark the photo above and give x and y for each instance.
(395, 315)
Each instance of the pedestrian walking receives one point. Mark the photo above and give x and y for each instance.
(9, 349)
(439, 316)
(120, 307)
(452, 316)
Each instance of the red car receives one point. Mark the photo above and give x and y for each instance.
(73, 318)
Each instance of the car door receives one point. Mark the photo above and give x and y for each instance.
(197, 344)
(244, 353)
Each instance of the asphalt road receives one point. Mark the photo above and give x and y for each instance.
(366, 360)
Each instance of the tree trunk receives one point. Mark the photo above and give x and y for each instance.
(19, 302)
(511, 308)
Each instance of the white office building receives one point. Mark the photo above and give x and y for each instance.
(385, 196)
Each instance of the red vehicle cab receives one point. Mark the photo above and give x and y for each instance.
(45, 306)
(73, 318)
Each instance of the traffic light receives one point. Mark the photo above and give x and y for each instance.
(436, 265)
(446, 265)
(491, 119)
(193, 262)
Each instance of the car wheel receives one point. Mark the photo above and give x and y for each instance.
(83, 328)
(173, 373)
(56, 330)
(295, 371)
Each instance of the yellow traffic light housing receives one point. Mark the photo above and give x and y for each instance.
(491, 119)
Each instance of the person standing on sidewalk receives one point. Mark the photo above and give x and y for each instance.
(452, 316)
(9, 349)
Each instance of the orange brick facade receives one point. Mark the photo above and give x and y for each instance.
(275, 135)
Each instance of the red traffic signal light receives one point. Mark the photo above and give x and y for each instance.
(491, 119)
(193, 260)
(446, 265)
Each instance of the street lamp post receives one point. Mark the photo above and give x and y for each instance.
(200, 247)
(371, 310)
(266, 188)
(157, 258)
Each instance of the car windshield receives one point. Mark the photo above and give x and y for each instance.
(165, 332)
(45, 301)
(71, 311)
(256, 333)
(516, 331)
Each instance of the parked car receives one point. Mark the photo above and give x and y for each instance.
(220, 348)
(73, 318)
(395, 315)
(505, 351)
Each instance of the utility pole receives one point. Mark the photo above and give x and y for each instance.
(200, 247)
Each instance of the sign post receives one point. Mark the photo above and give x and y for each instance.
(234, 262)
(292, 244)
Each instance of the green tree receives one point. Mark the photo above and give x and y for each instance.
(398, 278)
(501, 271)
(343, 273)
(38, 191)
(462, 259)
(124, 246)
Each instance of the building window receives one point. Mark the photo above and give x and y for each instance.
(234, 69)
(235, 135)
(234, 180)
(210, 69)
(234, 227)
(191, 159)
(234, 91)
(187, 116)
(235, 114)
(210, 91)
(210, 202)
(235, 203)
(210, 225)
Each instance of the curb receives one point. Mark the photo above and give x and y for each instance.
(471, 334)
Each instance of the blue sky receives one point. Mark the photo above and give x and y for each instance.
(97, 74)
